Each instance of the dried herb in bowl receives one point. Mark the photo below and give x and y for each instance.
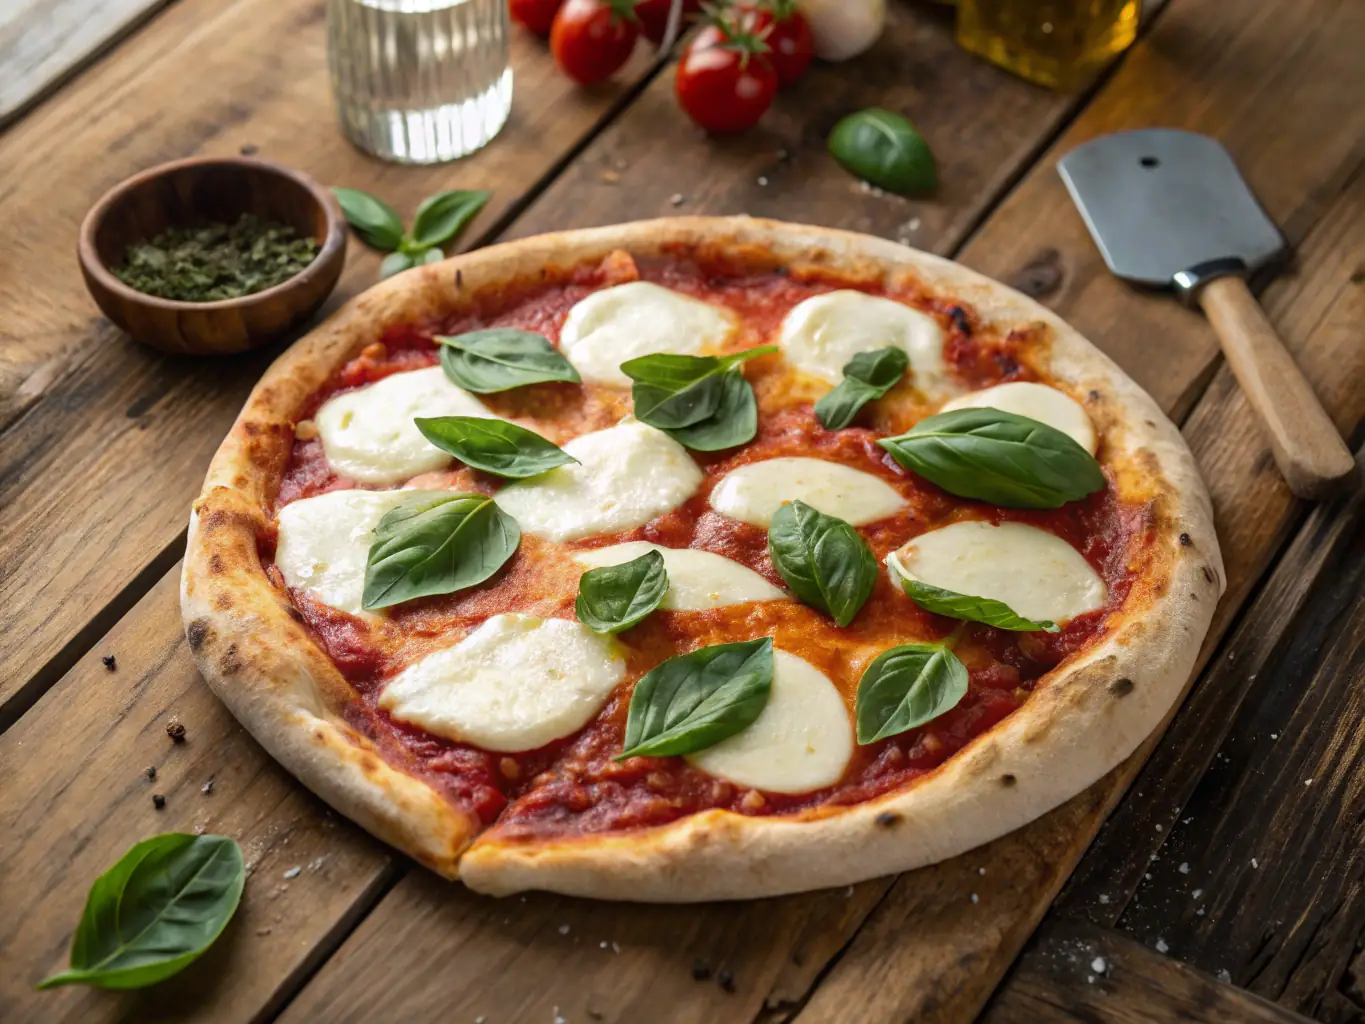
(216, 262)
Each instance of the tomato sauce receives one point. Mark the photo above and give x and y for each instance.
(575, 785)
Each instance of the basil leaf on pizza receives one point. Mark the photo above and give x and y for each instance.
(906, 687)
(155, 911)
(671, 392)
(867, 376)
(695, 700)
(985, 610)
(501, 358)
(734, 422)
(494, 446)
(822, 559)
(998, 457)
(436, 542)
(615, 597)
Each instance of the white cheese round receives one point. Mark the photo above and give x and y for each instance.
(697, 580)
(324, 543)
(637, 319)
(368, 434)
(801, 742)
(1036, 573)
(820, 335)
(1038, 402)
(754, 492)
(516, 683)
(626, 475)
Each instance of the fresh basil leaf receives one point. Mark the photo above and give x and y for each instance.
(615, 597)
(494, 446)
(672, 391)
(963, 606)
(443, 216)
(373, 219)
(436, 543)
(822, 559)
(998, 457)
(395, 263)
(501, 358)
(906, 687)
(155, 911)
(695, 700)
(884, 149)
(867, 376)
(734, 422)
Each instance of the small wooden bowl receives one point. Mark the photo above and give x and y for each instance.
(195, 192)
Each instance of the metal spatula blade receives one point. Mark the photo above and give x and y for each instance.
(1160, 202)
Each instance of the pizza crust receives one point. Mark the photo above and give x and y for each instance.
(1081, 722)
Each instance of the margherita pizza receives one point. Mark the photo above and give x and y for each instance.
(697, 559)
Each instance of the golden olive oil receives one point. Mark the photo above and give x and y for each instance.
(1057, 43)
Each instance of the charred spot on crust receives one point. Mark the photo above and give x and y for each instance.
(1185, 540)
(888, 819)
(459, 278)
(231, 662)
(960, 320)
(1094, 395)
(1008, 780)
(1121, 687)
(196, 633)
(222, 601)
(251, 429)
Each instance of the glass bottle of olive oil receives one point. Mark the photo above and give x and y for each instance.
(1057, 43)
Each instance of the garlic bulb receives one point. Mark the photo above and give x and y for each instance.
(844, 28)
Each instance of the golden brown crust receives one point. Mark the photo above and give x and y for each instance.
(1081, 722)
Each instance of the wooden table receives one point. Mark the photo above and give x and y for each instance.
(1228, 882)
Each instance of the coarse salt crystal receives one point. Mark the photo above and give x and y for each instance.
(1098, 965)
(1184, 868)
(1161, 946)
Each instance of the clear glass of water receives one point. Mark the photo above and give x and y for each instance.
(419, 81)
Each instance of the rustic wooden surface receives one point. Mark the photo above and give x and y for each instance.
(102, 445)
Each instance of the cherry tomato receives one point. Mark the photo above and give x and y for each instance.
(788, 35)
(591, 39)
(654, 17)
(536, 15)
(725, 80)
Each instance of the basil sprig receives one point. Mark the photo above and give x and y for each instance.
(494, 446)
(998, 457)
(906, 687)
(986, 610)
(884, 149)
(501, 358)
(615, 597)
(695, 700)
(155, 911)
(438, 219)
(867, 376)
(436, 542)
(702, 402)
(822, 559)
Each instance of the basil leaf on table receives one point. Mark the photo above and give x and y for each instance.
(373, 219)
(734, 422)
(494, 446)
(395, 263)
(155, 911)
(695, 700)
(906, 687)
(867, 376)
(986, 610)
(998, 457)
(672, 391)
(884, 149)
(822, 559)
(436, 543)
(615, 597)
(443, 216)
(501, 358)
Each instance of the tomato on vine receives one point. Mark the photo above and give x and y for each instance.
(725, 79)
(785, 29)
(592, 39)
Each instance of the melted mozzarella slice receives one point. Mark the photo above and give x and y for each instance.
(516, 683)
(823, 333)
(1036, 573)
(1038, 402)
(801, 742)
(324, 543)
(754, 492)
(625, 476)
(697, 580)
(368, 434)
(636, 319)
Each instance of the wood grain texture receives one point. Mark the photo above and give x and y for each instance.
(1077, 972)
(76, 796)
(106, 442)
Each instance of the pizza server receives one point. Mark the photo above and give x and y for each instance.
(1169, 209)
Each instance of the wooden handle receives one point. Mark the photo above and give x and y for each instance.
(1307, 448)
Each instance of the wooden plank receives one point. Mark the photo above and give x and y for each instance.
(108, 440)
(43, 41)
(76, 796)
(1077, 972)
